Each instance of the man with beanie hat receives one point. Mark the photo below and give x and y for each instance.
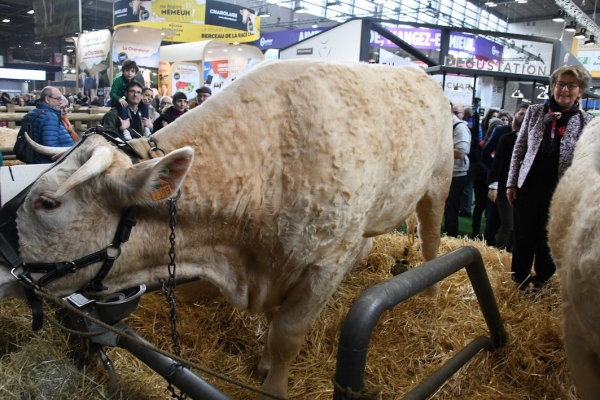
(170, 114)
(202, 94)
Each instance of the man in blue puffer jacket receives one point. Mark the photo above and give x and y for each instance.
(48, 129)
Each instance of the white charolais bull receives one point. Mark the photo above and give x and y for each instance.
(291, 170)
(574, 236)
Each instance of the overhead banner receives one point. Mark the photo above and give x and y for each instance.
(191, 21)
(430, 39)
(587, 55)
(143, 47)
(185, 77)
(93, 61)
(220, 73)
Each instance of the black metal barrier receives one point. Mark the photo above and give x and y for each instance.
(111, 310)
(373, 302)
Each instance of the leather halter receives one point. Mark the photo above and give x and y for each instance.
(9, 245)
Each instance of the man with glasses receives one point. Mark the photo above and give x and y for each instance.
(170, 114)
(165, 101)
(135, 124)
(47, 129)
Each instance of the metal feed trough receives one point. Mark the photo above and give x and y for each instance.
(354, 338)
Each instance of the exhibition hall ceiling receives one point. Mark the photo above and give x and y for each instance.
(18, 39)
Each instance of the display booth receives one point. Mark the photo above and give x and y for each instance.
(187, 66)
(501, 69)
(100, 56)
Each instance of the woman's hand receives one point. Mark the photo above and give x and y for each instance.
(493, 195)
(511, 195)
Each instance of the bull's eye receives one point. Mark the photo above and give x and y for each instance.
(45, 202)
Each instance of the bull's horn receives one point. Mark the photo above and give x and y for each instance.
(47, 150)
(99, 162)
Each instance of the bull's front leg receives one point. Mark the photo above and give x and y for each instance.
(291, 322)
(264, 365)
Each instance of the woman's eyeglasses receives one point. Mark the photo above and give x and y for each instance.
(569, 86)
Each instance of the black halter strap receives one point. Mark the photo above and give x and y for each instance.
(109, 255)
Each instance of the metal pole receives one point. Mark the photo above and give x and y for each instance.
(177, 374)
(373, 302)
(434, 381)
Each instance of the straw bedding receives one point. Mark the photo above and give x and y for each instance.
(408, 344)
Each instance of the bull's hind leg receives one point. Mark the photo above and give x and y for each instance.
(430, 211)
(583, 361)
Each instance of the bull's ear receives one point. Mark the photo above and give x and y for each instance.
(153, 180)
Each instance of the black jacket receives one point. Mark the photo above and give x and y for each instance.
(166, 116)
(501, 164)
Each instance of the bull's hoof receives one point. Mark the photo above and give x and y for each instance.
(261, 371)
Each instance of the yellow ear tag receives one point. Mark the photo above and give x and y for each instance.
(162, 190)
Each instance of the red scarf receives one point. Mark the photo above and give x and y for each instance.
(556, 120)
(554, 117)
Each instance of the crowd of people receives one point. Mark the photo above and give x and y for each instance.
(137, 111)
(510, 165)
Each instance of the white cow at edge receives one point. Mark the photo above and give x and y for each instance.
(291, 170)
(574, 238)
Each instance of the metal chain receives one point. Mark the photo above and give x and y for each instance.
(154, 147)
(168, 290)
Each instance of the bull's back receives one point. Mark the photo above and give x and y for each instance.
(328, 143)
(377, 135)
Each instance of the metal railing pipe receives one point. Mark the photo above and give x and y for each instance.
(180, 376)
(372, 303)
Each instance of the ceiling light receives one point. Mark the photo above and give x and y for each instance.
(521, 1)
(544, 93)
(590, 41)
(560, 16)
(571, 27)
(517, 94)
(491, 4)
(580, 34)
(300, 8)
(30, 12)
(314, 26)
(263, 13)
(38, 43)
(6, 20)
(331, 3)
(456, 88)
(69, 50)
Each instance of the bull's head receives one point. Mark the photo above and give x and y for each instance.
(74, 208)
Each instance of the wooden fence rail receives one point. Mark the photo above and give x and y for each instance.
(79, 121)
